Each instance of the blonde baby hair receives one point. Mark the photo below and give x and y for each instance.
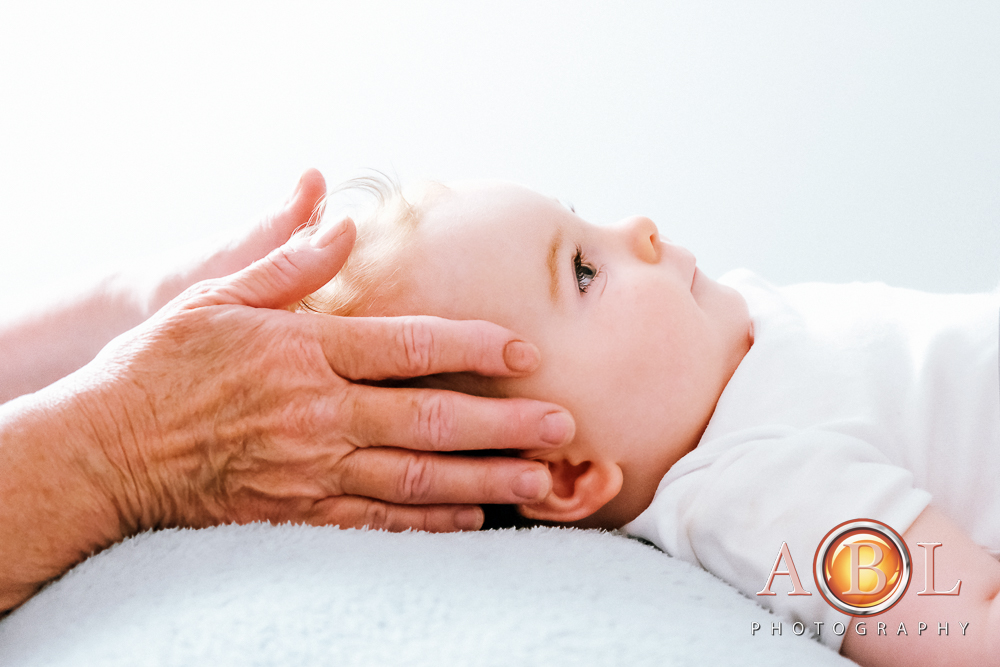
(383, 224)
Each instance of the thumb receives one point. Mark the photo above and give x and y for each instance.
(238, 253)
(272, 231)
(290, 272)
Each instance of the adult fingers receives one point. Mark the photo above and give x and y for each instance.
(285, 275)
(303, 205)
(404, 477)
(272, 231)
(376, 348)
(356, 512)
(439, 420)
(239, 253)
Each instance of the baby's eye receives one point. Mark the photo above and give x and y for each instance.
(585, 272)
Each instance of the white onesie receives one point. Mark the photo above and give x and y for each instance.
(855, 401)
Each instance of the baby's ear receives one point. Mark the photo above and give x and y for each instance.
(578, 490)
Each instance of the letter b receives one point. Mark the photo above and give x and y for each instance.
(856, 568)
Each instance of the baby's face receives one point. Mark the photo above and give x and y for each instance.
(635, 341)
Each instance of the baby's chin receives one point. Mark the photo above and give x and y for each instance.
(729, 312)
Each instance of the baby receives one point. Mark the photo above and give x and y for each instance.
(721, 419)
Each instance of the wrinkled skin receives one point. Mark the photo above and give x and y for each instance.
(286, 434)
(226, 407)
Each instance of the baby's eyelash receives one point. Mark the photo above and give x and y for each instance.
(584, 271)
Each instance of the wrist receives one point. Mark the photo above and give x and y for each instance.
(56, 506)
(108, 429)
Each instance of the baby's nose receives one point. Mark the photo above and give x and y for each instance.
(643, 237)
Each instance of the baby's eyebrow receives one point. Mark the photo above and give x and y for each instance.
(553, 262)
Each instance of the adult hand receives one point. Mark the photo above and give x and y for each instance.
(53, 339)
(226, 407)
(163, 283)
(284, 431)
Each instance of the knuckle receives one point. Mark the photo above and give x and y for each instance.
(279, 267)
(416, 343)
(415, 484)
(199, 291)
(436, 420)
(350, 417)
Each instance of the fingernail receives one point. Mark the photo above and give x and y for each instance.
(556, 428)
(325, 237)
(470, 518)
(530, 485)
(521, 357)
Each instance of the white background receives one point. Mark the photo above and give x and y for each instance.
(806, 140)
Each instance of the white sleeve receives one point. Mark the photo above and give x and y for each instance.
(729, 509)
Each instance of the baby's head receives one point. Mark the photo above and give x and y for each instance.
(635, 341)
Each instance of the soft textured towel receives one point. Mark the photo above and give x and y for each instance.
(298, 595)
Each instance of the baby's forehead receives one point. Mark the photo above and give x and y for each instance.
(487, 206)
(473, 237)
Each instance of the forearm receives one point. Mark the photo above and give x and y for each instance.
(55, 504)
(971, 613)
(55, 340)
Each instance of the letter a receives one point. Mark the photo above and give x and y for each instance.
(797, 588)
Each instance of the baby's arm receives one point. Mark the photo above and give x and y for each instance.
(977, 605)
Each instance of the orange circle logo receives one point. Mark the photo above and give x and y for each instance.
(862, 567)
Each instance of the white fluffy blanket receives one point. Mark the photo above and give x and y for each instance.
(297, 595)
